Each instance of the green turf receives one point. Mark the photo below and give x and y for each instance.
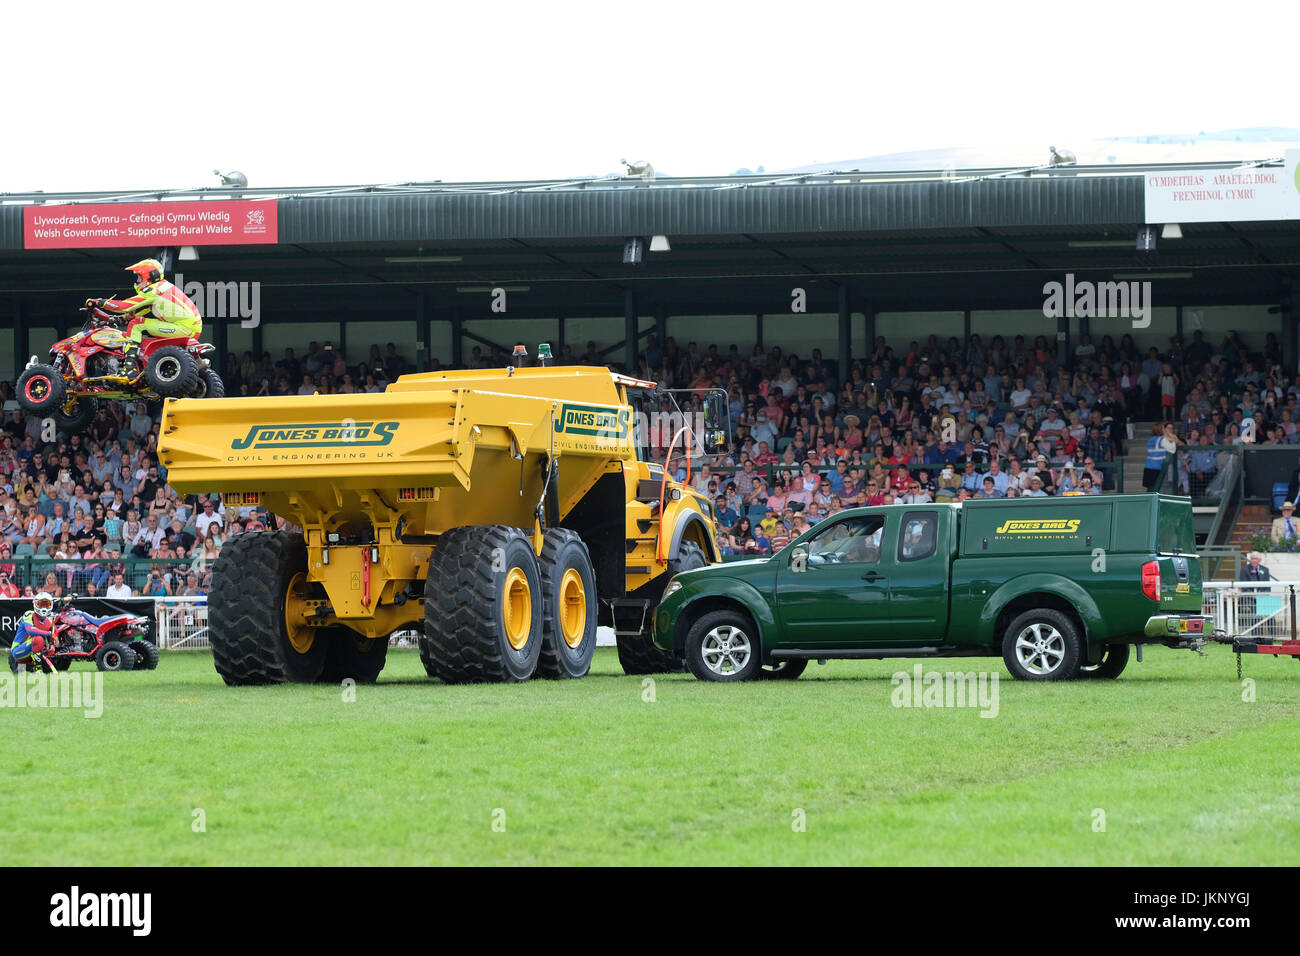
(588, 772)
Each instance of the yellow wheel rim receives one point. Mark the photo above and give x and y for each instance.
(573, 608)
(301, 637)
(517, 608)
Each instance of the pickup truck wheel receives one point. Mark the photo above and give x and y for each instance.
(1113, 662)
(723, 646)
(483, 606)
(789, 669)
(1042, 644)
(569, 589)
(350, 656)
(637, 653)
(258, 586)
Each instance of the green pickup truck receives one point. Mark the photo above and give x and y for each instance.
(1059, 587)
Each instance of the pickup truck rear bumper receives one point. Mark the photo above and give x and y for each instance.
(1167, 627)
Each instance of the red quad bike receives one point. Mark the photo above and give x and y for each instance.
(90, 365)
(114, 643)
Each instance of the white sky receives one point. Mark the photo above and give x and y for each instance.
(101, 96)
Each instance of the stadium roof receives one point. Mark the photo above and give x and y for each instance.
(985, 238)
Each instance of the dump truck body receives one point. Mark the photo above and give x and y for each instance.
(375, 480)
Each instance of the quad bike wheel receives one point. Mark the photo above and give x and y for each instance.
(171, 372)
(209, 385)
(41, 389)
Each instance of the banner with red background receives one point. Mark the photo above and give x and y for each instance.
(103, 225)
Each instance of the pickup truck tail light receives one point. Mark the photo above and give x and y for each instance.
(1151, 580)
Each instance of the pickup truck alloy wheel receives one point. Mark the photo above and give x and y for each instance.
(1042, 645)
(720, 648)
(726, 649)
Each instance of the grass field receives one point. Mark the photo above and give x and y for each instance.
(588, 772)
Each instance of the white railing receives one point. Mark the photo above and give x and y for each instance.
(1241, 609)
(181, 623)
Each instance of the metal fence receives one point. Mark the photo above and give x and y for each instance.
(1263, 611)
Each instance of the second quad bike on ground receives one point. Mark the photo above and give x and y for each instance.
(117, 642)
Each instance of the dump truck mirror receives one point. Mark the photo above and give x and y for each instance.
(715, 437)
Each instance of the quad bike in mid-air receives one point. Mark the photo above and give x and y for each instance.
(91, 365)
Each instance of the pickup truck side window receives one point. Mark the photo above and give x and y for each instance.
(851, 541)
(920, 531)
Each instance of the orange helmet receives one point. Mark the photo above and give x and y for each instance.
(147, 272)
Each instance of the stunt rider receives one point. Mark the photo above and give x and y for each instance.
(158, 309)
(34, 629)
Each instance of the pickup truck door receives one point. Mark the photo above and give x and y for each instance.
(918, 581)
(833, 586)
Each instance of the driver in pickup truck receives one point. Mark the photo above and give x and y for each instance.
(158, 309)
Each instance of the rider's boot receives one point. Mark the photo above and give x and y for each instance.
(131, 357)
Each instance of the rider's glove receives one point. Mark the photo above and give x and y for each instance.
(93, 303)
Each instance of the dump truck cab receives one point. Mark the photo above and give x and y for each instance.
(390, 498)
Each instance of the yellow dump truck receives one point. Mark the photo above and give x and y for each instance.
(501, 513)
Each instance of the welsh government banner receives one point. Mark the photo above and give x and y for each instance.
(102, 225)
(1245, 194)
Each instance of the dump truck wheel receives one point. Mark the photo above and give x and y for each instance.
(353, 657)
(1042, 644)
(171, 372)
(569, 590)
(483, 606)
(1112, 663)
(637, 653)
(258, 577)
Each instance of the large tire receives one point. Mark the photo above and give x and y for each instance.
(246, 620)
(637, 652)
(1042, 644)
(171, 372)
(569, 590)
(41, 389)
(352, 656)
(723, 646)
(82, 414)
(209, 385)
(115, 656)
(788, 668)
(62, 663)
(1113, 662)
(483, 607)
(146, 655)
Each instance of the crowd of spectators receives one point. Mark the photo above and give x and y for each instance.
(935, 421)
(952, 421)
